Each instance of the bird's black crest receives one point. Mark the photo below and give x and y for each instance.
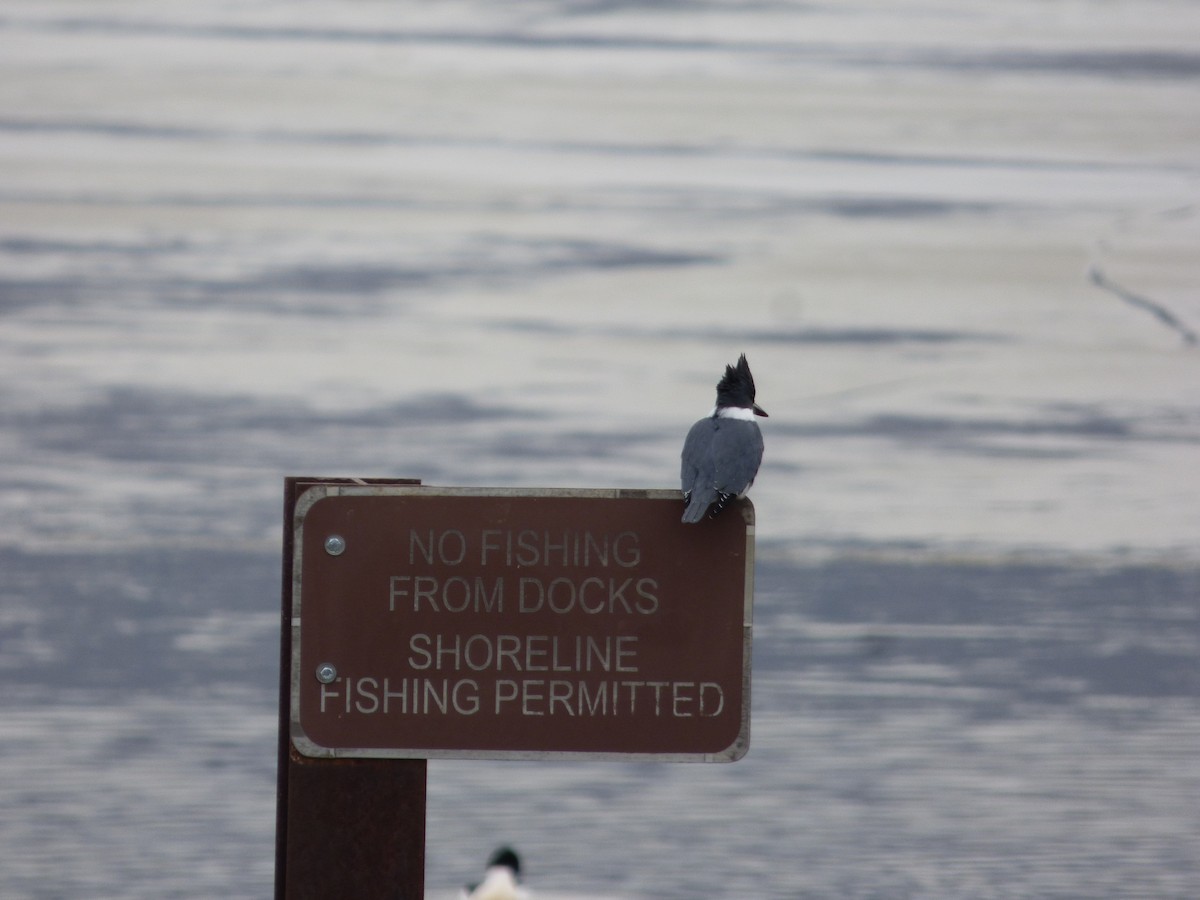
(736, 388)
(505, 856)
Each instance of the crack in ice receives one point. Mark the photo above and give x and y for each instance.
(1163, 314)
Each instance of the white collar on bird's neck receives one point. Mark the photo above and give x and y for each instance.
(741, 413)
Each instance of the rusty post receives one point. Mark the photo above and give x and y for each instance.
(344, 827)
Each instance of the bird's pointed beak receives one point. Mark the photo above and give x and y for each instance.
(759, 411)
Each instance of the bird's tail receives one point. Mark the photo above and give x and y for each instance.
(698, 503)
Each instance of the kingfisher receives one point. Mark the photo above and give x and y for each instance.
(501, 880)
(723, 450)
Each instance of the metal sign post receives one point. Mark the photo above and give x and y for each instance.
(348, 827)
(429, 622)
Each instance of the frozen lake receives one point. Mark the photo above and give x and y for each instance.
(514, 245)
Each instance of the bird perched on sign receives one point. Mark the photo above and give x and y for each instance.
(723, 450)
(500, 880)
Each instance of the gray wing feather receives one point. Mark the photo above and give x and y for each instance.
(737, 454)
(720, 456)
(694, 459)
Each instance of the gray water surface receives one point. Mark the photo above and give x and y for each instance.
(514, 245)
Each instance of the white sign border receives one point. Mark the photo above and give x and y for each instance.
(312, 493)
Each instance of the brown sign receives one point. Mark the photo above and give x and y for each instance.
(486, 623)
